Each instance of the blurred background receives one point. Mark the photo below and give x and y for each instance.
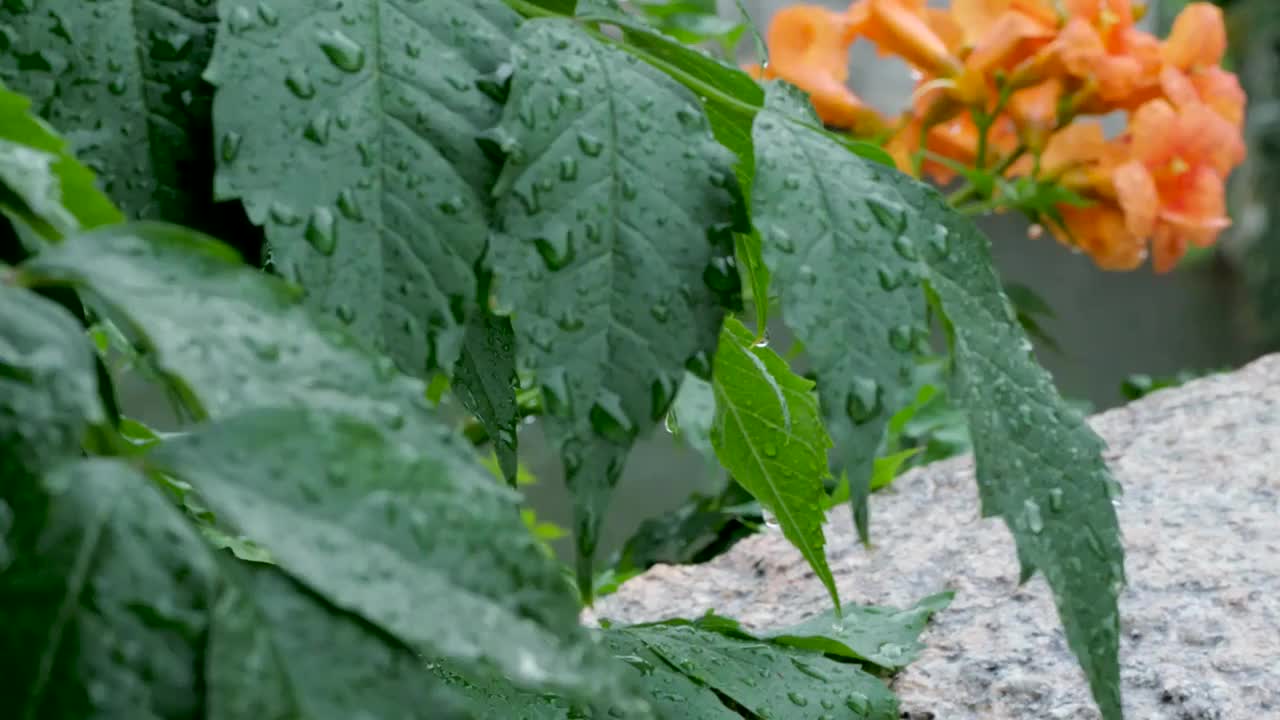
(1217, 311)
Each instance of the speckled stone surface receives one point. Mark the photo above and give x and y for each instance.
(1201, 518)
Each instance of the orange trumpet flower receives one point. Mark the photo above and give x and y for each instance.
(809, 48)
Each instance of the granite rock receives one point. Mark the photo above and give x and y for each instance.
(1200, 466)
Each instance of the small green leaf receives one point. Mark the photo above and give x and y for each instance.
(349, 132)
(839, 247)
(770, 681)
(55, 194)
(277, 650)
(226, 336)
(750, 259)
(416, 538)
(884, 637)
(122, 81)
(485, 381)
(768, 434)
(105, 597)
(614, 251)
(671, 690)
(48, 384)
(1039, 465)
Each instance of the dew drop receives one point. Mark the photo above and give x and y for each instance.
(891, 218)
(1035, 523)
(284, 215)
(568, 169)
(268, 14)
(770, 520)
(1055, 499)
(905, 248)
(317, 131)
(902, 338)
(240, 20)
(299, 83)
(573, 73)
(888, 280)
(863, 402)
(556, 255)
(346, 54)
(349, 205)
(797, 699)
(590, 145)
(610, 421)
(322, 231)
(230, 146)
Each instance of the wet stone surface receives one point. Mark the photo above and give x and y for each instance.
(1200, 466)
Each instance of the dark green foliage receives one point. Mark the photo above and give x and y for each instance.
(506, 207)
(613, 244)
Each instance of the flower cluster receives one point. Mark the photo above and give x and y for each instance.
(1005, 88)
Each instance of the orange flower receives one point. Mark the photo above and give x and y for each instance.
(903, 28)
(1172, 186)
(1100, 44)
(1002, 34)
(955, 140)
(1192, 54)
(809, 48)
(1100, 231)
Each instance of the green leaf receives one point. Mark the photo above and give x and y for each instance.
(692, 415)
(55, 194)
(349, 132)
(48, 384)
(417, 539)
(485, 381)
(1039, 465)
(703, 527)
(226, 336)
(614, 249)
(749, 254)
(769, 681)
(105, 598)
(122, 81)
(885, 637)
(768, 434)
(839, 249)
(670, 689)
(278, 651)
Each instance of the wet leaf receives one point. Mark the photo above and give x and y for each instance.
(1039, 465)
(771, 681)
(834, 241)
(41, 183)
(105, 598)
(415, 538)
(277, 650)
(768, 434)
(349, 133)
(692, 415)
(226, 336)
(122, 81)
(48, 385)
(485, 382)
(614, 248)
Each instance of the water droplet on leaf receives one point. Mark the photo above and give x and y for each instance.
(322, 231)
(863, 402)
(346, 54)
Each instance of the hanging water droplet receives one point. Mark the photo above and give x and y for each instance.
(611, 421)
(568, 168)
(322, 231)
(268, 14)
(556, 254)
(240, 20)
(902, 338)
(1055, 499)
(349, 205)
(299, 83)
(1035, 523)
(283, 214)
(590, 145)
(863, 402)
(230, 145)
(317, 131)
(452, 205)
(905, 248)
(890, 217)
(889, 281)
(346, 54)
(770, 520)
(573, 73)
